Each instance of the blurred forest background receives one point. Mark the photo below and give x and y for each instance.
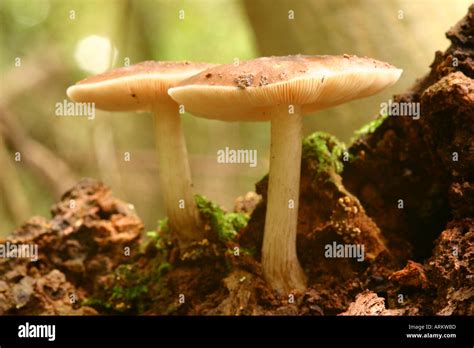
(48, 45)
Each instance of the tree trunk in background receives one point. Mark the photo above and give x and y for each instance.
(403, 32)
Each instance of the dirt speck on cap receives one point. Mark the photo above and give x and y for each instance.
(263, 80)
(208, 75)
(243, 81)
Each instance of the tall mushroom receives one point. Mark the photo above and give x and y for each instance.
(282, 90)
(144, 88)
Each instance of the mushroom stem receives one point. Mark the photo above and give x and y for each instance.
(281, 267)
(175, 175)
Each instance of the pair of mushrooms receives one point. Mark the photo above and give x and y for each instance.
(276, 89)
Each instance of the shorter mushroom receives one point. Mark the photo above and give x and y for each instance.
(144, 87)
(282, 90)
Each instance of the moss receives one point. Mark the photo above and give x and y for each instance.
(128, 294)
(97, 303)
(370, 127)
(225, 225)
(152, 235)
(160, 238)
(326, 150)
(248, 251)
(163, 226)
(130, 289)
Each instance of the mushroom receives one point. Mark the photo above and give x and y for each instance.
(282, 90)
(144, 88)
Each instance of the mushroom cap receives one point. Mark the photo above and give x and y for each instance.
(134, 88)
(251, 90)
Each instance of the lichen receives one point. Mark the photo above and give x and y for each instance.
(370, 127)
(225, 225)
(326, 150)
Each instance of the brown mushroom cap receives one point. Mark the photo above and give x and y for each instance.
(133, 88)
(249, 91)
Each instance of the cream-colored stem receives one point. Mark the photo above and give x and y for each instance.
(281, 267)
(175, 175)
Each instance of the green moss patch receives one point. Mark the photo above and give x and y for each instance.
(131, 288)
(225, 225)
(325, 150)
(370, 127)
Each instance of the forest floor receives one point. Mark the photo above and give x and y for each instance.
(404, 190)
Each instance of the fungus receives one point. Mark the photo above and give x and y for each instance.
(143, 88)
(282, 90)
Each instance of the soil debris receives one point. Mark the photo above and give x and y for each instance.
(263, 80)
(412, 275)
(243, 81)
